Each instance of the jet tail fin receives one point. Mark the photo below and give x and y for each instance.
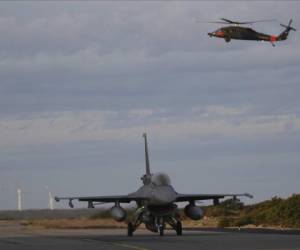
(146, 178)
(147, 156)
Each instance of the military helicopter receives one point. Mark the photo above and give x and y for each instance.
(235, 31)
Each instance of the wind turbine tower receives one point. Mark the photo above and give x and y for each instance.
(51, 207)
(19, 201)
(51, 204)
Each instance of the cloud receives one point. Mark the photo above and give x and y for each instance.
(155, 65)
(97, 125)
(87, 78)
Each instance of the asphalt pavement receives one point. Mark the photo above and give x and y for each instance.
(116, 239)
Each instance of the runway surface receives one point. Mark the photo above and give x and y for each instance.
(116, 239)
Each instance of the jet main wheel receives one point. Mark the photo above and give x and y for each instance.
(179, 228)
(161, 230)
(129, 229)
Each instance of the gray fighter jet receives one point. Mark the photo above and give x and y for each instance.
(156, 202)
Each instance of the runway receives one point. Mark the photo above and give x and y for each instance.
(116, 239)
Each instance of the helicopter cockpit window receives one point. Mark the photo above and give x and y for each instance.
(161, 179)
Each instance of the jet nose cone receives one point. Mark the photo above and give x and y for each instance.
(163, 197)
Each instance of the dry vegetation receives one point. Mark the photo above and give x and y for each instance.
(73, 223)
(274, 213)
(277, 212)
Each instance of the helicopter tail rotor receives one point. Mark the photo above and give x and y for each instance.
(288, 27)
(285, 33)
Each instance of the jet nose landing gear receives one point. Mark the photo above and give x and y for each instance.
(160, 224)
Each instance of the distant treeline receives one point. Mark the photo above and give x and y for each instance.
(275, 212)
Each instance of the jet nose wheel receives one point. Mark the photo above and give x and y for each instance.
(161, 230)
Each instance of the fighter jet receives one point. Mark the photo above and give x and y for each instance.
(156, 202)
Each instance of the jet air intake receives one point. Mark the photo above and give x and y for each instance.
(193, 212)
(118, 213)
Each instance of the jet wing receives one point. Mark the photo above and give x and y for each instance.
(102, 199)
(215, 197)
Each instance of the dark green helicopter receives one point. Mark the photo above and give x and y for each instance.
(234, 31)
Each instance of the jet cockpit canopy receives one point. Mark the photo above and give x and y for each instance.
(161, 179)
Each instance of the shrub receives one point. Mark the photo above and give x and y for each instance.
(225, 222)
(242, 221)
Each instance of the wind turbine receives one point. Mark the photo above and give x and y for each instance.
(19, 199)
(51, 205)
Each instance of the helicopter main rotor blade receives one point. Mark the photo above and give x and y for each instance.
(218, 22)
(264, 20)
(227, 20)
(250, 22)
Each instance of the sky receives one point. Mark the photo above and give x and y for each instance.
(80, 81)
